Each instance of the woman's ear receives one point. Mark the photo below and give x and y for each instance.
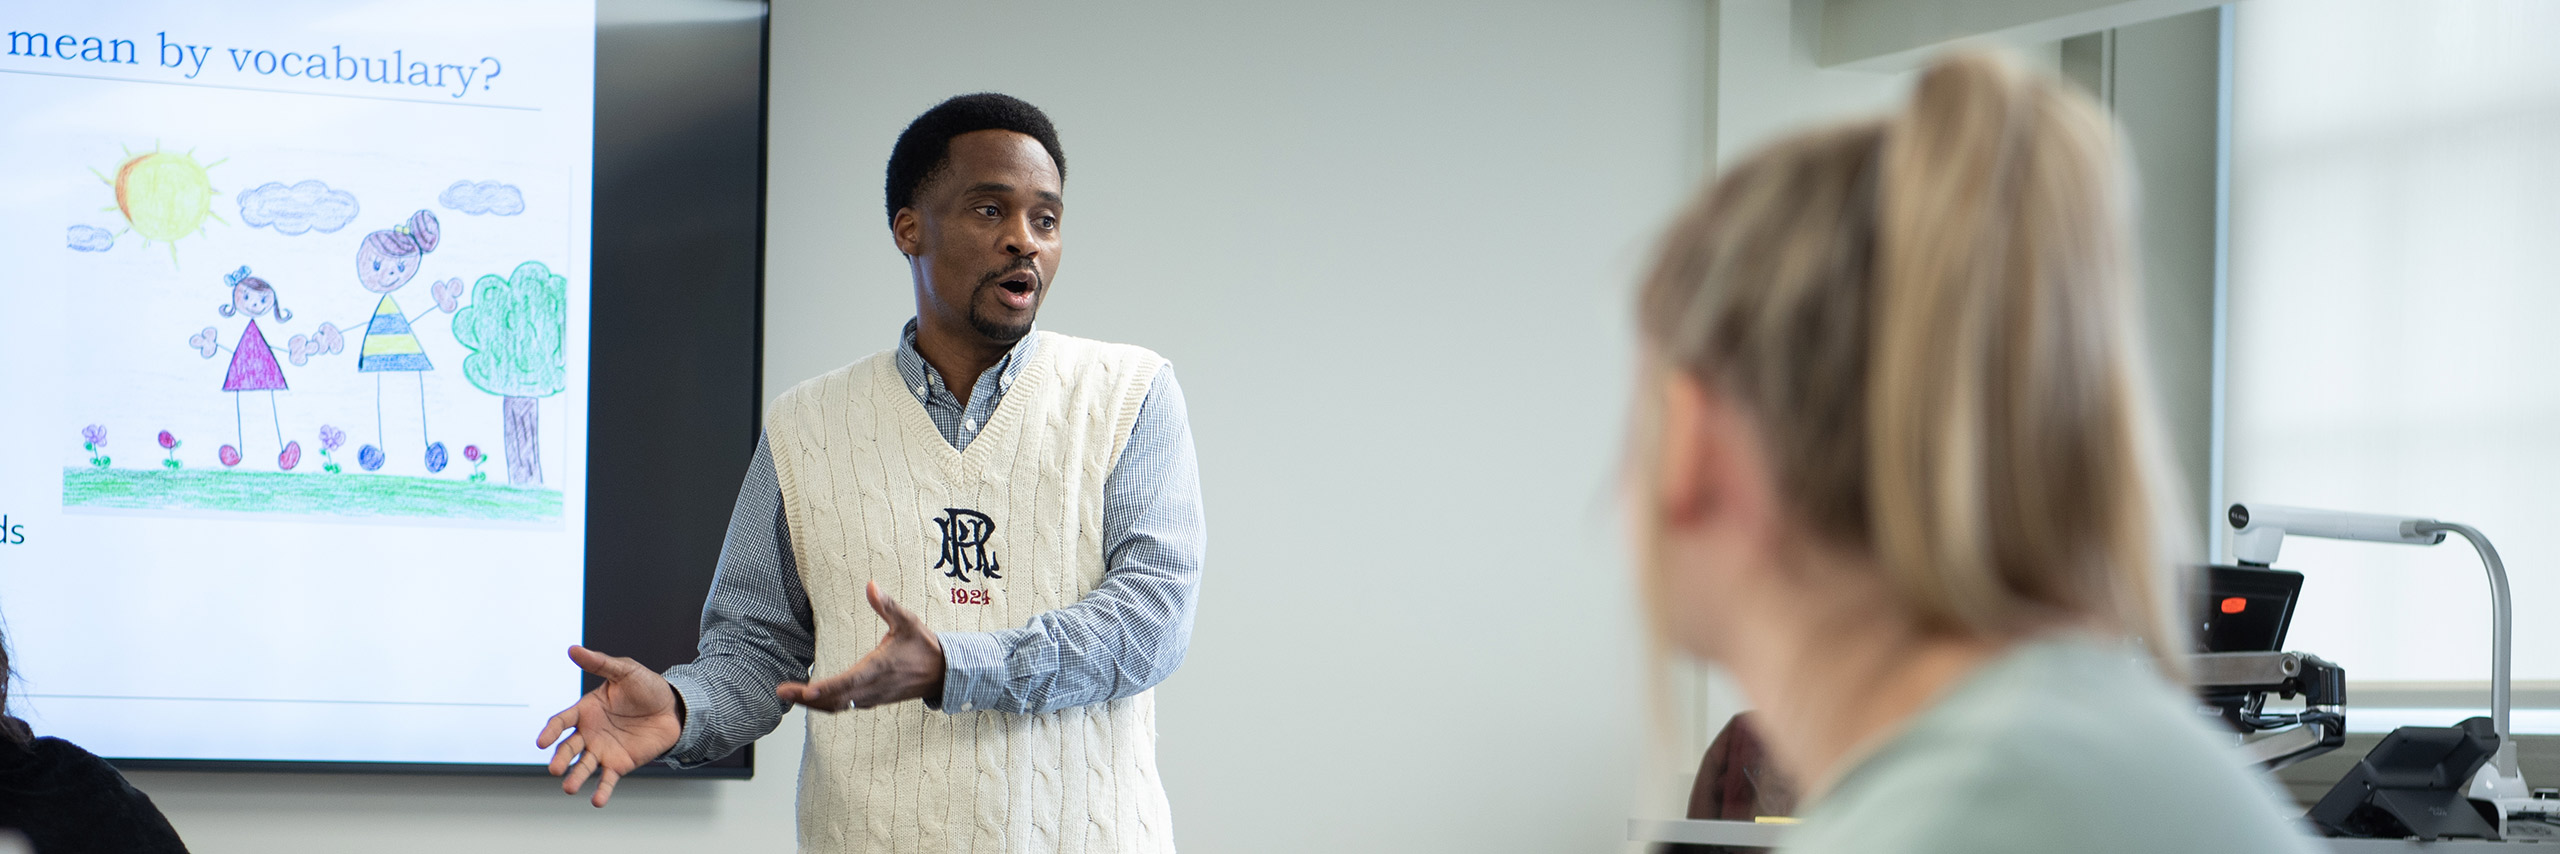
(1713, 476)
(1681, 462)
(1707, 533)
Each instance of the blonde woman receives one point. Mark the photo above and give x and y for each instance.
(1896, 474)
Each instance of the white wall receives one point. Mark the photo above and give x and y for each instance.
(1389, 249)
(1769, 81)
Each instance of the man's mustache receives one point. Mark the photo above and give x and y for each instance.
(989, 279)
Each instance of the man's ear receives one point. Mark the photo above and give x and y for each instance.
(907, 230)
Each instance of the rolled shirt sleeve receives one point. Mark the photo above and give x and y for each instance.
(757, 630)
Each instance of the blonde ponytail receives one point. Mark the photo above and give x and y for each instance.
(1931, 317)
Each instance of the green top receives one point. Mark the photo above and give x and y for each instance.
(2066, 744)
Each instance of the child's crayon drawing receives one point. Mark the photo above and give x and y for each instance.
(358, 393)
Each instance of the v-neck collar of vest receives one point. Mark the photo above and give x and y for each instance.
(1001, 424)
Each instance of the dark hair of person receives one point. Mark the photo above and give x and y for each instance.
(257, 284)
(418, 236)
(12, 730)
(925, 148)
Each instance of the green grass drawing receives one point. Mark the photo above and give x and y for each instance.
(317, 495)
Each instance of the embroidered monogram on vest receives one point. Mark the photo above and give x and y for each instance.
(964, 544)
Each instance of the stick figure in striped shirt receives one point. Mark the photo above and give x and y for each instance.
(386, 260)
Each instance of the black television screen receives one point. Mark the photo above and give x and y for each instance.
(356, 367)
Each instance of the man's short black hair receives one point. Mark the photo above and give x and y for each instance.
(925, 147)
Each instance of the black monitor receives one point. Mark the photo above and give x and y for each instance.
(2245, 609)
(679, 247)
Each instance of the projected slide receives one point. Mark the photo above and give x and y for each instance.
(293, 355)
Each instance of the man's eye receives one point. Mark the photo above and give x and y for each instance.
(1048, 223)
(988, 210)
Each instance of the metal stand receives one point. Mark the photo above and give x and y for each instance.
(2260, 530)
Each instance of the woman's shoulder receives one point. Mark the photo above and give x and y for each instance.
(53, 768)
(2066, 742)
(44, 757)
(65, 797)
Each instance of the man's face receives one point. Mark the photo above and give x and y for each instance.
(983, 233)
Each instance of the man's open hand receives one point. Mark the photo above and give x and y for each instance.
(628, 720)
(907, 665)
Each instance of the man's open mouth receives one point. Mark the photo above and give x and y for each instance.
(1021, 288)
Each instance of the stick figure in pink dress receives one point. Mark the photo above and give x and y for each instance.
(253, 362)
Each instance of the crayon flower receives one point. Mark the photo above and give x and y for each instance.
(330, 439)
(92, 438)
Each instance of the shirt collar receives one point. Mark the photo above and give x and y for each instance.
(919, 373)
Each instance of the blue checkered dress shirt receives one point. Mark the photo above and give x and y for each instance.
(1122, 638)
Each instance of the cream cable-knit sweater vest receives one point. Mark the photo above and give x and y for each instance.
(972, 541)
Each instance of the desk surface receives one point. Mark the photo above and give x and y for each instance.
(1755, 834)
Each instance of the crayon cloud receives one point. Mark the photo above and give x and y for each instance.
(483, 197)
(297, 208)
(90, 238)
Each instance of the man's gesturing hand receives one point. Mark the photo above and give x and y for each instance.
(906, 665)
(628, 720)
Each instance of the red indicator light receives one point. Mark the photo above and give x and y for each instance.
(2234, 605)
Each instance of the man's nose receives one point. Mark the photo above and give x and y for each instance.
(1019, 240)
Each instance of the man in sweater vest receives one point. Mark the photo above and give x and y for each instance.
(1004, 524)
